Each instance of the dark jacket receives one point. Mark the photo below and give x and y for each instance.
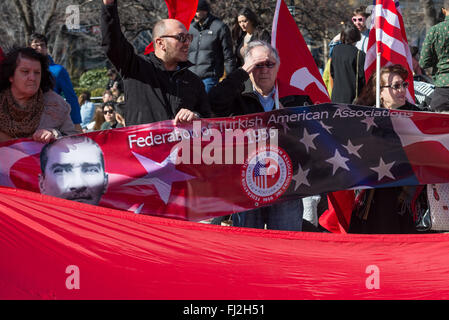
(151, 92)
(260, 34)
(211, 48)
(107, 125)
(346, 73)
(388, 210)
(229, 97)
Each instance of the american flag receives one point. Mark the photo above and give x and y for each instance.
(387, 35)
(260, 174)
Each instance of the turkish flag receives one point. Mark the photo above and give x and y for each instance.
(183, 11)
(298, 73)
(338, 217)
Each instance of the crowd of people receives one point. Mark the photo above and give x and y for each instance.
(213, 71)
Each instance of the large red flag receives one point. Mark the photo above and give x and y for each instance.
(388, 37)
(298, 73)
(183, 11)
(58, 249)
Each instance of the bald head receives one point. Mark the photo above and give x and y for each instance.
(165, 26)
(171, 42)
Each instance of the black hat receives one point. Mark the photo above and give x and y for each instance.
(203, 5)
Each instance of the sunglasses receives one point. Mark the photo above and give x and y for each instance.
(269, 65)
(181, 37)
(397, 86)
(354, 19)
(108, 111)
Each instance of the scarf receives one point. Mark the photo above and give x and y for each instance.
(19, 121)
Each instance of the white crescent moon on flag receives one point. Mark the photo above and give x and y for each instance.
(302, 78)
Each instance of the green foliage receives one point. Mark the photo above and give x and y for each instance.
(94, 79)
(97, 92)
(79, 90)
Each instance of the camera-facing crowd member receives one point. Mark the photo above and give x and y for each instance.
(73, 168)
(160, 86)
(28, 105)
(230, 97)
(112, 118)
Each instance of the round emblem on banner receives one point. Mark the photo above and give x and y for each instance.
(266, 174)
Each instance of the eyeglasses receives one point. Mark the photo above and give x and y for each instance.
(108, 111)
(397, 86)
(181, 37)
(361, 19)
(266, 64)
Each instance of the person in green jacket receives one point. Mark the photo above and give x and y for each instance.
(435, 54)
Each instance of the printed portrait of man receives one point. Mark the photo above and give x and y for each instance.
(73, 168)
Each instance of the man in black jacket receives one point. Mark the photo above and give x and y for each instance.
(211, 50)
(159, 86)
(230, 98)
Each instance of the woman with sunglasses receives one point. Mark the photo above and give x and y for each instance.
(112, 119)
(393, 89)
(387, 210)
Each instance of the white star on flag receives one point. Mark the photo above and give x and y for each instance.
(369, 121)
(161, 175)
(338, 161)
(307, 140)
(353, 149)
(301, 177)
(383, 170)
(327, 128)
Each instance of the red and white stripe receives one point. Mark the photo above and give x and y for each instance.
(387, 36)
(261, 179)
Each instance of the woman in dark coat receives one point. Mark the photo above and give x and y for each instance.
(388, 210)
(246, 28)
(347, 67)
